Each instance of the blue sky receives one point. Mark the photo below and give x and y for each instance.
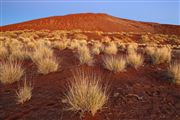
(161, 11)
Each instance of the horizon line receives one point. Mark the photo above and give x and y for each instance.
(114, 1)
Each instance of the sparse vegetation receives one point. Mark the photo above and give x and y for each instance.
(132, 48)
(161, 55)
(47, 65)
(174, 72)
(44, 59)
(111, 49)
(135, 60)
(24, 93)
(85, 92)
(61, 45)
(10, 71)
(3, 52)
(41, 52)
(84, 55)
(114, 63)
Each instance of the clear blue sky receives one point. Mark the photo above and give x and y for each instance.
(161, 11)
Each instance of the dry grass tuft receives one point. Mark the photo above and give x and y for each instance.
(41, 52)
(61, 45)
(47, 65)
(135, 60)
(86, 93)
(150, 50)
(84, 55)
(3, 52)
(111, 49)
(20, 54)
(10, 71)
(24, 93)
(161, 55)
(174, 72)
(44, 59)
(114, 63)
(95, 50)
(131, 48)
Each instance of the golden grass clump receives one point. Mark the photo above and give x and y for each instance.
(41, 52)
(3, 52)
(161, 55)
(174, 72)
(74, 44)
(150, 50)
(96, 48)
(121, 46)
(10, 71)
(135, 60)
(44, 59)
(20, 54)
(111, 49)
(24, 93)
(131, 48)
(114, 63)
(60, 45)
(47, 65)
(86, 92)
(96, 51)
(84, 55)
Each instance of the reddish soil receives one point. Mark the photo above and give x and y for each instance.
(93, 22)
(143, 94)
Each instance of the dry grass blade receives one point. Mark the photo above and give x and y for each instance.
(24, 93)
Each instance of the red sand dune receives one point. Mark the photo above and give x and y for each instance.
(93, 22)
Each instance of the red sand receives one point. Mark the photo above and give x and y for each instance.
(93, 22)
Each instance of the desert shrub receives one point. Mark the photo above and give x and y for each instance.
(84, 55)
(114, 63)
(24, 93)
(3, 52)
(150, 50)
(111, 49)
(86, 92)
(174, 72)
(135, 60)
(132, 48)
(61, 45)
(40, 53)
(44, 58)
(95, 50)
(121, 46)
(82, 42)
(145, 38)
(10, 71)
(20, 54)
(47, 65)
(161, 55)
(74, 44)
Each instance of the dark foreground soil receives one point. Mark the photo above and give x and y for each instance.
(143, 94)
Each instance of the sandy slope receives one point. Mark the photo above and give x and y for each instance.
(93, 22)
